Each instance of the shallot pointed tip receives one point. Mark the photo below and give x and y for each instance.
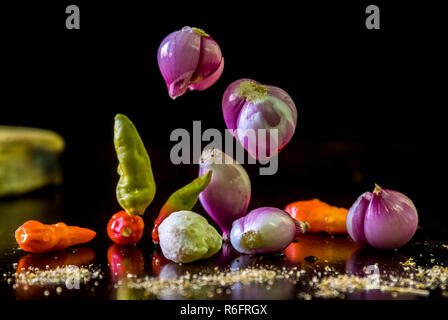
(377, 189)
(200, 32)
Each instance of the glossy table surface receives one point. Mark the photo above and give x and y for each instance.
(311, 253)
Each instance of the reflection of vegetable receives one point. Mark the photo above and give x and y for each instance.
(385, 219)
(136, 187)
(125, 229)
(388, 262)
(34, 236)
(321, 216)
(37, 273)
(333, 250)
(265, 230)
(45, 261)
(249, 107)
(158, 262)
(29, 159)
(124, 260)
(183, 199)
(227, 196)
(186, 236)
(189, 58)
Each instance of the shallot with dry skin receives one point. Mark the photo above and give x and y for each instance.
(189, 59)
(227, 196)
(384, 219)
(262, 118)
(265, 230)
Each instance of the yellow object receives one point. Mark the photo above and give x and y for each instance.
(29, 159)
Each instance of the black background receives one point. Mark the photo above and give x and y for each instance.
(369, 102)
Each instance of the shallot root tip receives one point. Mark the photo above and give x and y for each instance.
(252, 91)
(250, 239)
(301, 227)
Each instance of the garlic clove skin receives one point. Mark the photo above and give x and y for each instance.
(189, 59)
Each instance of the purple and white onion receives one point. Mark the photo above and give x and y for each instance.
(265, 230)
(189, 59)
(249, 106)
(384, 219)
(227, 196)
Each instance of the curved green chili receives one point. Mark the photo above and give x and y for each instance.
(136, 187)
(183, 199)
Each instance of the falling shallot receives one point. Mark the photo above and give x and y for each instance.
(189, 59)
(262, 118)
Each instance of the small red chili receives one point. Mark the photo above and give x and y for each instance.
(125, 229)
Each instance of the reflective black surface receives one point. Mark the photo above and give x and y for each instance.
(311, 252)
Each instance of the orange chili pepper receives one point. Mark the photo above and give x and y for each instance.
(321, 216)
(36, 237)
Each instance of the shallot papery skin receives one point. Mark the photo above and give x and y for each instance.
(265, 230)
(249, 106)
(227, 196)
(384, 219)
(189, 59)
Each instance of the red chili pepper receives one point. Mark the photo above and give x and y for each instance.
(36, 237)
(125, 229)
(166, 210)
(183, 199)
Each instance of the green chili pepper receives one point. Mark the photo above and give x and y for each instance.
(136, 187)
(183, 199)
